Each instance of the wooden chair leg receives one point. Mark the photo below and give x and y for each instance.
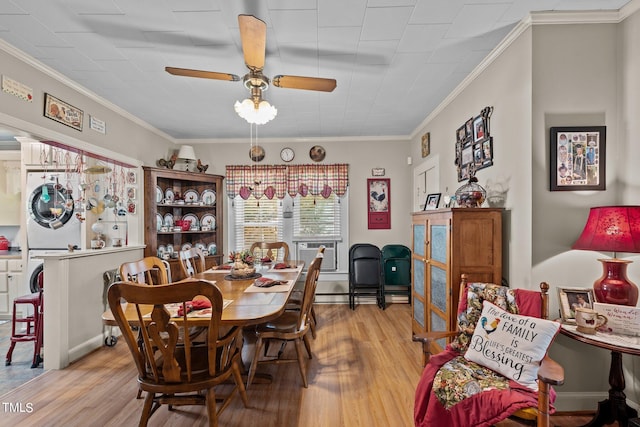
(254, 363)
(212, 414)
(237, 376)
(303, 372)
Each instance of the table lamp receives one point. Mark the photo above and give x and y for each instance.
(613, 229)
(187, 154)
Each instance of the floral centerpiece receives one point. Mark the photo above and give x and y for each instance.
(245, 256)
(242, 264)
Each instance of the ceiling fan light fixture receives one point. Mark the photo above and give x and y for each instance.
(264, 112)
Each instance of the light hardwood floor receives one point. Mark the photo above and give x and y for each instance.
(363, 373)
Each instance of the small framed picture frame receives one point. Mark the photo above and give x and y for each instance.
(432, 202)
(426, 144)
(479, 129)
(571, 298)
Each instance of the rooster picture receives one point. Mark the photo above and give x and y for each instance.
(378, 200)
(491, 327)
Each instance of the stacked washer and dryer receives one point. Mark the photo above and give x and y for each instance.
(52, 223)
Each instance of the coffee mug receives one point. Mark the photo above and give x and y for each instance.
(97, 244)
(588, 320)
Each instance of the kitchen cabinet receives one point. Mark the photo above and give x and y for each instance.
(172, 195)
(446, 244)
(10, 285)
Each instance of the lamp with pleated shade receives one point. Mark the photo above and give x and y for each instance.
(187, 154)
(613, 229)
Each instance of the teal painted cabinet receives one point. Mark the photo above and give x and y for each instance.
(447, 243)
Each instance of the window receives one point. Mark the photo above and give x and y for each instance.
(296, 221)
(317, 217)
(256, 220)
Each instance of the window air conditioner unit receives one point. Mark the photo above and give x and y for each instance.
(307, 252)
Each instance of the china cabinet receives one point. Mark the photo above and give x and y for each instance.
(446, 244)
(171, 196)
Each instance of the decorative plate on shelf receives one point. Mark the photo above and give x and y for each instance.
(169, 195)
(170, 248)
(201, 246)
(159, 222)
(208, 197)
(191, 217)
(161, 250)
(168, 220)
(212, 249)
(186, 246)
(191, 196)
(208, 220)
(159, 194)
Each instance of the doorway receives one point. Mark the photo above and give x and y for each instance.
(426, 180)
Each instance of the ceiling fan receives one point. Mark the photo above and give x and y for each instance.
(253, 33)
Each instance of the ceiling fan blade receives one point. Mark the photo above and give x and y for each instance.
(308, 83)
(201, 74)
(253, 33)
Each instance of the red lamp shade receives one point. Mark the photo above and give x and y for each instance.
(613, 229)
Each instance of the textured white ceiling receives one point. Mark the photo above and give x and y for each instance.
(394, 60)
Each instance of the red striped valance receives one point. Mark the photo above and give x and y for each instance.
(278, 180)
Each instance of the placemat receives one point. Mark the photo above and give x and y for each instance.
(275, 288)
(253, 276)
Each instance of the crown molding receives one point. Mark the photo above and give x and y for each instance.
(394, 138)
(39, 66)
(535, 18)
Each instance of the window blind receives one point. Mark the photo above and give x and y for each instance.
(316, 217)
(257, 221)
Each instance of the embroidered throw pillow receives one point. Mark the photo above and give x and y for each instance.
(511, 344)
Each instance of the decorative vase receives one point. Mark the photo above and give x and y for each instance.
(471, 195)
(614, 287)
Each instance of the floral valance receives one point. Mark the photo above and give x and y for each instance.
(276, 180)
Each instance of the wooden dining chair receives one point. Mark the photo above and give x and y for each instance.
(192, 261)
(150, 270)
(289, 326)
(295, 300)
(172, 369)
(275, 251)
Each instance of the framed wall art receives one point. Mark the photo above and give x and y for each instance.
(577, 158)
(570, 299)
(379, 203)
(62, 112)
(426, 144)
(474, 144)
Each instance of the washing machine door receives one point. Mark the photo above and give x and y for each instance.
(51, 206)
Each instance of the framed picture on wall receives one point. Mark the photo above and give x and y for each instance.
(578, 157)
(379, 203)
(479, 129)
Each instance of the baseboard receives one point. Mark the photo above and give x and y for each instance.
(582, 401)
(85, 348)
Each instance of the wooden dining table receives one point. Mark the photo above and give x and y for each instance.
(244, 305)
